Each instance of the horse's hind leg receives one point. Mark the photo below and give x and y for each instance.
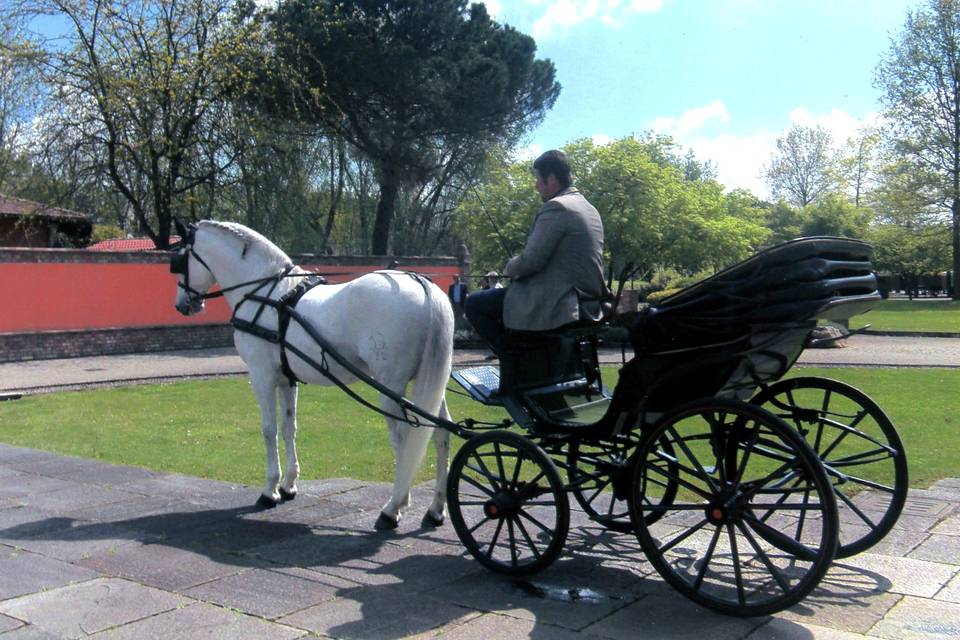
(412, 445)
(265, 389)
(441, 443)
(288, 418)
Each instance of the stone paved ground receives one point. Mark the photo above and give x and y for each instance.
(89, 549)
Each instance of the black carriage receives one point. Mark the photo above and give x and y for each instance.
(740, 485)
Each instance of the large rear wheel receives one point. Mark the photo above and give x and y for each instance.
(753, 526)
(858, 446)
(507, 503)
(600, 473)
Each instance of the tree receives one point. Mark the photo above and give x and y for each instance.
(142, 87)
(857, 166)
(802, 167)
(920, 81)
(403, 80)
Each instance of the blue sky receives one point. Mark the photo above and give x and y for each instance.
(724, 77)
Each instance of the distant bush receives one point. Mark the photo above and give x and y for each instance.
(657, 296)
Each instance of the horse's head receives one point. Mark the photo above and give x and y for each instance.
(195, 277)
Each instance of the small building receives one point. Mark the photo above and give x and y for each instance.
(127, 244)
(24, 223)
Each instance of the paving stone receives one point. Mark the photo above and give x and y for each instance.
(22, 522)
(947, 483)
(319, 549)
(174, 485)
(200, 621)
(369, 613)
(181, 520)
(22, 572)
(10, 453)
(265, 593)
(29, 484)
(920, 498)
(121, 512)
(9, 472)
(7, 623)
(949, 527)
(393, 565)
(564, 598)
(851, 600)
(83, 609)
(69, 495)
(57, 465)
(920, 619)
(906, 576)
(951, 592)
(165, 567)
(240, 535)
(118, 475)
(82, 541)
(780, 629)
(474, 626)
(669, 615)
(328, 487)
(938, 548)
(308, 510)
(30, 632)
(897, 542)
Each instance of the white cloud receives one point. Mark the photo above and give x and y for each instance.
(840, 124)
(739, 159)
(562, 15)
(691, 120)
(600, 139)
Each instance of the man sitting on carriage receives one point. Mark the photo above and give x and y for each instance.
(558, 277)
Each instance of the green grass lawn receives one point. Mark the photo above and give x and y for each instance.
(211, 428)
(906, 315)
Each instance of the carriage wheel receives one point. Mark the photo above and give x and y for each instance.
(507, 503)
(600, 474)
(858, 446)
(731, 460)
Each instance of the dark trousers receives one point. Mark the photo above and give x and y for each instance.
(484, 310)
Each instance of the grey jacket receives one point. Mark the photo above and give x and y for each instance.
(560, 267)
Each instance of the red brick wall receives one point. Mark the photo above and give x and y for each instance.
(60, 302)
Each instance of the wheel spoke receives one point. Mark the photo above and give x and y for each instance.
(772, 568)
(526, 536)
(706, 559)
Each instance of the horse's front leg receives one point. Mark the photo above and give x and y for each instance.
(265, 389)
(288, 418)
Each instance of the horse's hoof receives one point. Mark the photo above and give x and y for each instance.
(287, 495)
(431, 521)
(265, 502)
(385, 523)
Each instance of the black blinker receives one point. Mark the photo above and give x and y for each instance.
(179, 262)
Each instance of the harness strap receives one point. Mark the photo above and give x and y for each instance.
(284, 305)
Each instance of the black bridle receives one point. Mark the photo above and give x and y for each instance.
(180, 265)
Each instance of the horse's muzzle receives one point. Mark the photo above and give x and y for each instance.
(190, 306)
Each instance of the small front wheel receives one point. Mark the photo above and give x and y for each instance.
(507, 503)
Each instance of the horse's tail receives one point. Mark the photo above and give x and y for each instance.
(434, 369)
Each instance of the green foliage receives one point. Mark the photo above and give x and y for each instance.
(920, 83)
(803, 165)
(405, 81)
(835, 216)
(105, 232)
(911, 251)
(653, 215)
(656, 297)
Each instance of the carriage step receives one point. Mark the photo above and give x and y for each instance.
(482, 383)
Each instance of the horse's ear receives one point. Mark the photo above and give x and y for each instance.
(181, 229)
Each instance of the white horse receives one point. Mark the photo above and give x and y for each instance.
(390, 325)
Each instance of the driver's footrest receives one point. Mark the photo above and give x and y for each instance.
(482, 383)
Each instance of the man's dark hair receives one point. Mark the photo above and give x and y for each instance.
(554, 163)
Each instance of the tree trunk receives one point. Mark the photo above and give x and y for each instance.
(955, 210)
(389, 188)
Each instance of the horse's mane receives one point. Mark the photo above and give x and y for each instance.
(251, 239)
